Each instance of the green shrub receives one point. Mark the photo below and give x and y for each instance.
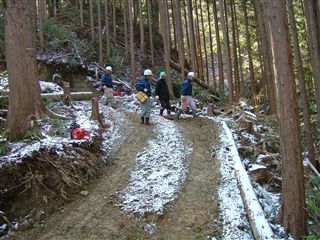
(313, 207)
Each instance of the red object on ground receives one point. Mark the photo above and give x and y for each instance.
(80, 134)
(117, 93)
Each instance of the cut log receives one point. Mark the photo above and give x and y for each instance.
(197, 80)
(66, 93)
(260, 226)
(96, 114)
(76, 96)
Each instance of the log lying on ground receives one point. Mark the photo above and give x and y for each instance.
(76, 96)
(260, 226)
(197, 80)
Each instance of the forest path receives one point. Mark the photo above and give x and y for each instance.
(98, 216)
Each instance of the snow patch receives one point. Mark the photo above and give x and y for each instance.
(161, 169)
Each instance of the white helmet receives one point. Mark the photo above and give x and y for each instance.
(147, 72)
(191, 74)
(109, 68)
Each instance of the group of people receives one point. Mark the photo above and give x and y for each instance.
(161, 92)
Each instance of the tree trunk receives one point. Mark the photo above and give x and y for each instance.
(173, 27)
(91, 22)
(186, 23)
(235, 53)
(142, 52)
(198, 43)
(81, 14)
(100, 32)
(192, 44)
(226, 50)
(106, 13)
(155, 16)
(114, 10)
(211, 49)
(311, 17)
(125, 27)
(293, 201)
(304, 96)
(248, 43)
(41, 17)
(204, 43)
(219, 52)
(25, 103)
(268, 71)
(132, 46)
(150, 32)
(166, 42)
(178, 22)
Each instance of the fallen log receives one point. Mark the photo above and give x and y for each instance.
(76, 96)
(260, 226)
(197, 80)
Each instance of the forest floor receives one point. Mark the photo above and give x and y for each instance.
(98, 216)
(159, 182)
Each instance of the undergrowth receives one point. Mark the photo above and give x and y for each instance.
(313, 208)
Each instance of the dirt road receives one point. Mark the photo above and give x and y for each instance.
(98, 215)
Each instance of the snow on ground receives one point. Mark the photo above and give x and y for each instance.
(46, 87)
(233, 215)
(160, 170)
(82, 111)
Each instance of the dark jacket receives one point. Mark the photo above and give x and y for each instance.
(143, 83)
(162, 89)
(106, 80)
(186, 88)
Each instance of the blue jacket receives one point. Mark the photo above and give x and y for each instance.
(186, 88)
(106, 80)
(143, 83)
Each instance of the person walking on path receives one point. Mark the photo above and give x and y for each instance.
(162, 93)
(143, 85)
(107, 85)
(186, 94)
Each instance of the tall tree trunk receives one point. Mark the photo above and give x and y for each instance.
(192, 48)
(178, 22)
(235, 53)
(186, 23)
(81, 14)
(91, 22)
(142, 52)
(155, 16)
(204, 43)
(293, 201)
(304, 96)
(211, 49)
(25, 102)
(219, 52)
(125, 27)
(166, 41)
(150, 32)
(108, 34)
(198, 43)
(114, 11)
(311, 17)
(268, 71)
(248, 43)
(132, 46)
(100, 32)
(173, 27)
(226, 50)
(41, 17)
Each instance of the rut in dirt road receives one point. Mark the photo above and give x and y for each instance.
(187, 212)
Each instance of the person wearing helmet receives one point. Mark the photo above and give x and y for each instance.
(186, 93)
(107, 85)
(143, 85)
(162, 93)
